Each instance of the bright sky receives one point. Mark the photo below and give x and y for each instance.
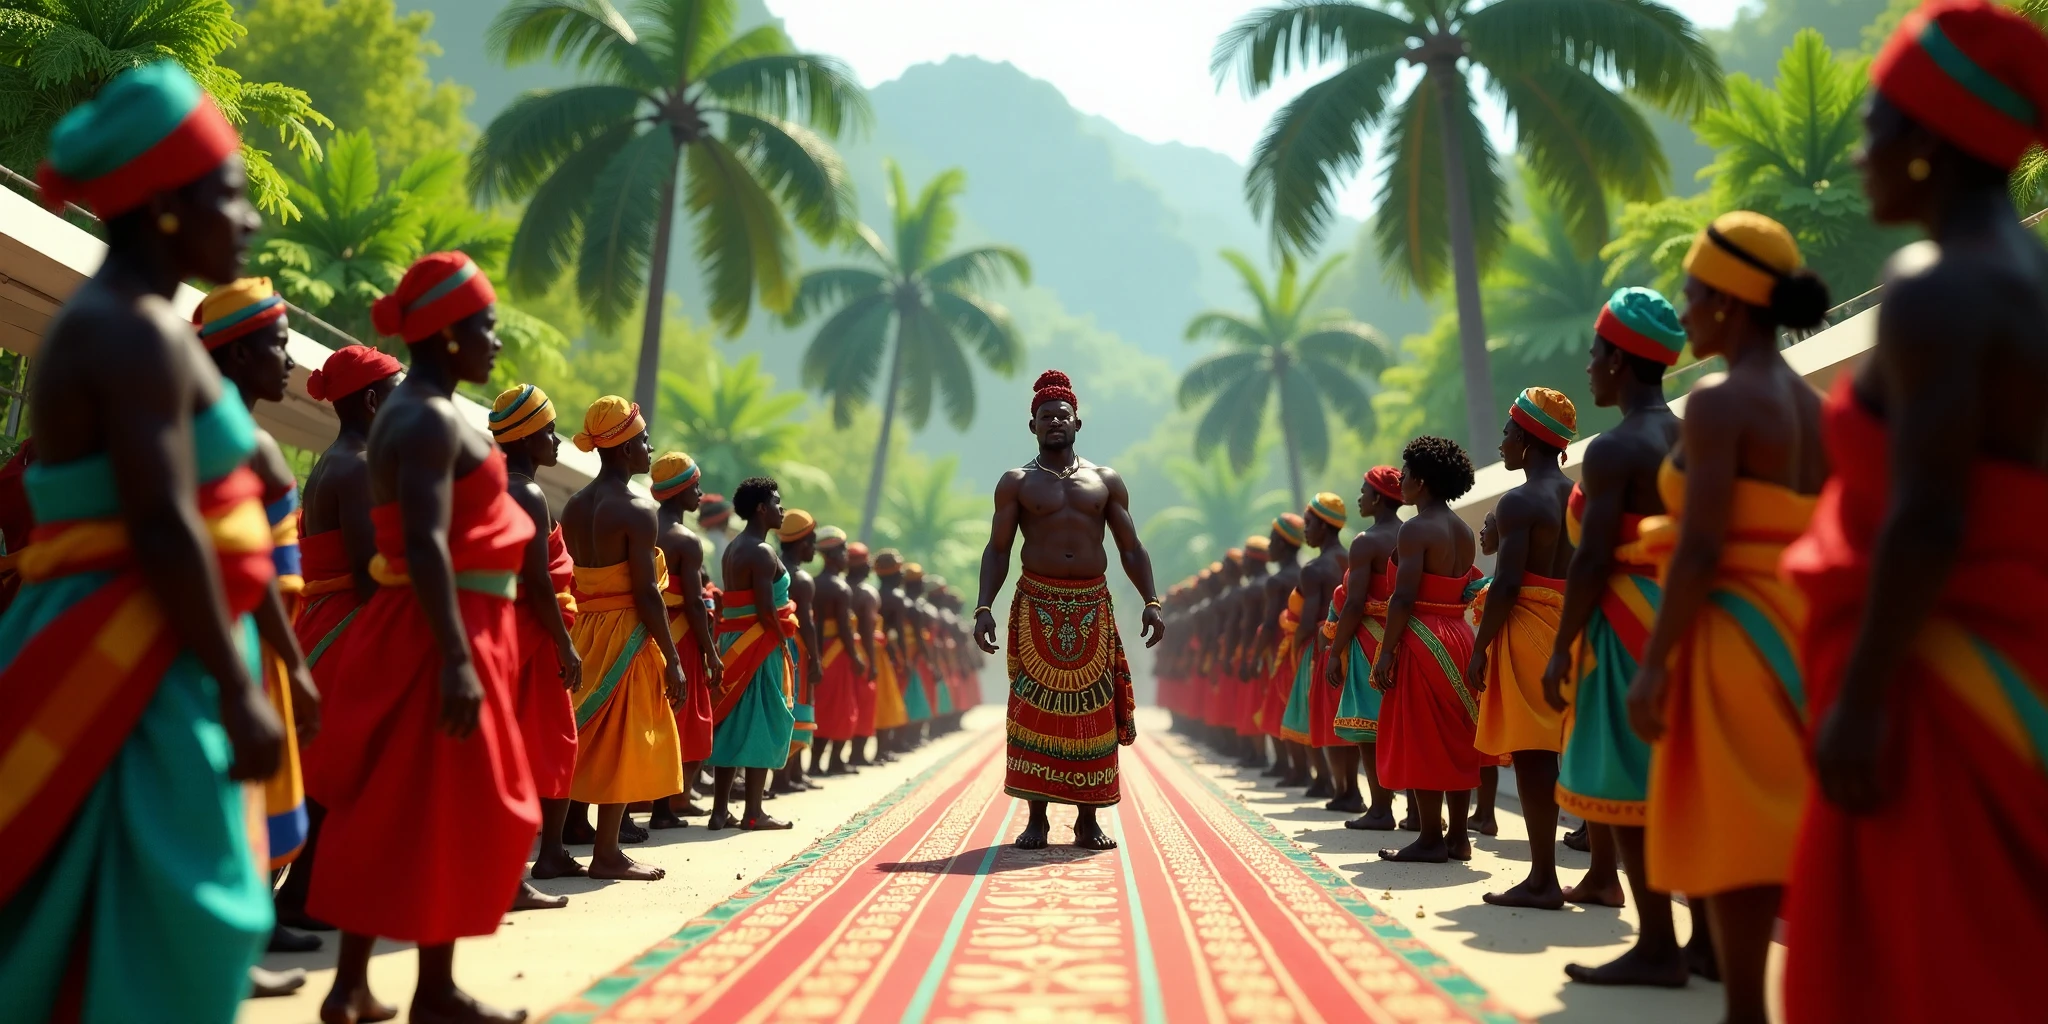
(1143, 64)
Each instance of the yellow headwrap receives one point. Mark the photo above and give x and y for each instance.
(888, 562)
(673, 472)
(236, 309)
(611, 421)
(912, 572)
(521, 411)
(796, 525)
(1546, 415)
(1329, 508)
(1727, 263)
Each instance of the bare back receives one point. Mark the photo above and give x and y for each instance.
(1774, 416)
(599, 521)
(1536, 510)
(1441, 540)
(98, 329)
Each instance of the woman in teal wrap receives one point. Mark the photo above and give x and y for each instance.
(129, 708)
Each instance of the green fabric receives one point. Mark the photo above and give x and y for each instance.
(154, 882)
(1603, 757)
(914, 701)
(1360, 700)
(945, 698)
(756, 732)
(1649, 314)
(1769, 643)
(587, 709)
(1295, 721)
(223, 436)
(134, 112)
(2026, 703)
(1980, 83)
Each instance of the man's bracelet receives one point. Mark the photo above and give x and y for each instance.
(984, 608)
(1154, 603)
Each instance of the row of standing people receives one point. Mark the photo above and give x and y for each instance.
(1752, 648)
(420, 649)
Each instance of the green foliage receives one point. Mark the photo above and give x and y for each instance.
(364, 65)
(1651, 241)
(673, 90)
(933, 518)
(916, 307)
(734, 423)
(1221, 507)
(56, 54)
(1319, 363)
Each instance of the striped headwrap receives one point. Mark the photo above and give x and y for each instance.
(521, 411)
(439, 290)
(149, 130)
(888, 562)
(609, 422)
(236, 310)
(1329, 508)
(673, 473)
(1743, 254)
(1257, 549)
(913, 572)
(1291, 528)
(1548, 416)
(1973, 73)
(830, 536)
(1641, 322)
(857, 553)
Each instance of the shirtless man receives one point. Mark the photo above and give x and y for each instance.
(1283, 550)
(1517, 629)
(1063, 503)
(895, 618)
(1246, 602)
(698, 644)
(628, 746)
(833, 604)
(866, 602)
(1316, 719)
(1372, 551)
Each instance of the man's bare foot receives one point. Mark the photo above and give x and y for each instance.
(625, 869)
(557, 864)
(1528, 895)
(1635, 967)
(1487, 826)
(459, 1007)
(1349, 803)
(530, 898)
(1034, 836)
(1421, 851)
(271, 984)
(1373, 821)
(1092, 837)
(1607, 892)
(1578, 839)
(764, 823)
(1460, 847)
(357, 1006)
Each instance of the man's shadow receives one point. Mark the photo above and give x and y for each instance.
(1007, 858)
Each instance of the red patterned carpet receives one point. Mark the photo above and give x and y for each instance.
(918, 910)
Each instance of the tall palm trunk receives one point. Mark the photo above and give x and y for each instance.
(657, 287)
(874, 499)
(1479, 416)
(1293, 455)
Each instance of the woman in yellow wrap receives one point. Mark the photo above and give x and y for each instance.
(1719, 693)
(627, 747)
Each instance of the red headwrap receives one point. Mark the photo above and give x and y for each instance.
(1053, 386)
(1387, 481)
(1972, 72)
(349, 369)
(439, 289)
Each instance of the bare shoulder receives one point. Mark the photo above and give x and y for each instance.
(271, 467)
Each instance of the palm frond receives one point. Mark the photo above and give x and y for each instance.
(917, 333)
(1254, 282)
(539, 131)
(1412, 229)
(1301, 405)
(742, 239)
(806, 87)
(978, 268)
(831, 286)
(1348, 398)
(691, 31)
(619, 225)
(1585, 143)
(844, 358)
(1273, 41)
(1218, 373)
(925, 228)
(1347, 345)
(1313, 143)
(1652, 50)
(549, 234)
(953, 378)
(983, 325)
(589, 34)
(1230, 327)
(797, 164)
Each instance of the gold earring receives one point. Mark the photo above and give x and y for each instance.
(1919, 169)
(1720, 315)
(167, 223)
(454, 346)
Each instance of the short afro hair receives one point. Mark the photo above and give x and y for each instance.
(1442, 466)
(753, 491)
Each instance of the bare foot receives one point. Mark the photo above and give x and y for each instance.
(459, 1007)
(720, 821)
(557, 865)
(1033, 837)
(270, 984)
(1372, 821)
(1528, 895)
(530, 898)
(1595, 892)
(764, 823)
(1349, 803)
(1635, 967)
(357, 1006)
(1091, 837)
(1460, 847)
(1421, 851)
(1486, 826)
(625, 869)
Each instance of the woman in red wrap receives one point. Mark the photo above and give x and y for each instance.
(1428, 715)
(1926, 567)
(523, 423)
(422, 747)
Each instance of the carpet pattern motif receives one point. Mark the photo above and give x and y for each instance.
(917, 910)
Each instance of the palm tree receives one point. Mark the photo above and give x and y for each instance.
(1223, 506)
(56, 54)
(677, 95)
(930, 516)
(2030, 180)
(930, 299)
(1309, 358)
(1552, 63)
(735, 424)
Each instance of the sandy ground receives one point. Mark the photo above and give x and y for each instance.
(1518, 955)
(541, 958)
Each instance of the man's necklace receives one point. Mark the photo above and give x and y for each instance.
(1043, 468)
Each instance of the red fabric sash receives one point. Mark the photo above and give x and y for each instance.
(747, 654)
